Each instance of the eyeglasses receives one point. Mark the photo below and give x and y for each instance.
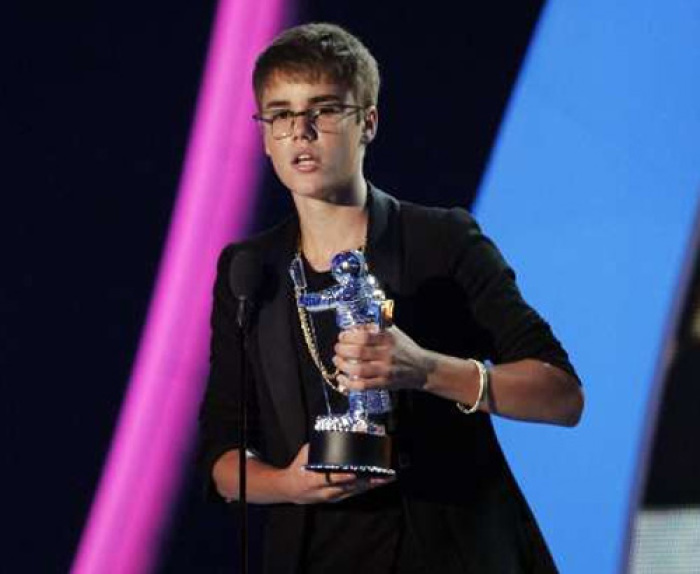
(324, 118)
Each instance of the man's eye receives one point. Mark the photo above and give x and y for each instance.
(328, 111)
(281, 115)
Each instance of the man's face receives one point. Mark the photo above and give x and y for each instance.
(309, 161)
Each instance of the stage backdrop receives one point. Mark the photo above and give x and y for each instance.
(591, 193)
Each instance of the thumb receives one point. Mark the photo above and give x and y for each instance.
(303, 455)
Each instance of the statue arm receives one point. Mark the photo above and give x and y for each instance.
(320, 300)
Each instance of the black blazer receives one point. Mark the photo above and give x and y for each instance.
(454, 294)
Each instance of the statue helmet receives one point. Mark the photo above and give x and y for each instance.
(347, 265)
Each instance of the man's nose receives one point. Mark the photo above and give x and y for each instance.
(304, 127)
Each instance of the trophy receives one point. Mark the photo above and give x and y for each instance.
(352, 441)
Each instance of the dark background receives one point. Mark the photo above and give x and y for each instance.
(673, 476)
(99, 99)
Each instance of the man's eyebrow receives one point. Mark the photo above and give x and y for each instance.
(277, 104)
(315, 100)
(325, 98)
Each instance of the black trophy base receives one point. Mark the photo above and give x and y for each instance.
(361, 453)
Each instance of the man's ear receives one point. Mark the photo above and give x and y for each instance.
(370, 125)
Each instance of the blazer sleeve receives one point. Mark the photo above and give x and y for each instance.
(516, 330)
(219, 411)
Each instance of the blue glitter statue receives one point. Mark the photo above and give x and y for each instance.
(357, 300)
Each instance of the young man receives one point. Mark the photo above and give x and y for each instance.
(454, 506)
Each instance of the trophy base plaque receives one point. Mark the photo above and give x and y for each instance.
(340, 451)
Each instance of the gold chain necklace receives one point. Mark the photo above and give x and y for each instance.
(307, 326)
(309, 332)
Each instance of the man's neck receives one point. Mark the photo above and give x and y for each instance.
(329, 227)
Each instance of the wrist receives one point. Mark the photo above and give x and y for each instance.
(268, 484)
(429, 362)
(482, 396)
(287, 483)
(442, 374)
(454, 378)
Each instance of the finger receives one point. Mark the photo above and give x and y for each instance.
(376, 481)
(374, 373)
(344, 383)
(362, 484)
(361, 369)
(337, 494)
(336, 491)
(302, 457)
(347, 378)
(360, 384)
(361, 352)
(336, 479)
(352, 384)
(369, 327)
(363, 337)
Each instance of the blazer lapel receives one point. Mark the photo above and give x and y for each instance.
(384, 240)
(278, 354)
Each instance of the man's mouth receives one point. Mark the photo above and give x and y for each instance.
(304, 159)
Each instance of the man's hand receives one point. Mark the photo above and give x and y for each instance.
(528, 389)
(371, 359)
(307, 487)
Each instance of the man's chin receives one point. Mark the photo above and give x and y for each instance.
(311, 188)
(314, 186)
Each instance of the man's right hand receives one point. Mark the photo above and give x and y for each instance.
(308, 487)
(293, 484)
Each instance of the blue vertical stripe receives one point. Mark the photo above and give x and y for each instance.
(591, 193)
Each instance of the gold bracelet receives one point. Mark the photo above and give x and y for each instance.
(483, 389)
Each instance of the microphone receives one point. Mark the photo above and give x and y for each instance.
(245, 278)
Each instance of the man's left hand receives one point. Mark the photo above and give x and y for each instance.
(390, 359)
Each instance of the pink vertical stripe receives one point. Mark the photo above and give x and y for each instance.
(215, 200)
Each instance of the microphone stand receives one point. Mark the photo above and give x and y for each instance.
(245, 275)
(242, 319)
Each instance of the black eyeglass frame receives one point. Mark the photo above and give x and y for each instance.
(312, 114)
